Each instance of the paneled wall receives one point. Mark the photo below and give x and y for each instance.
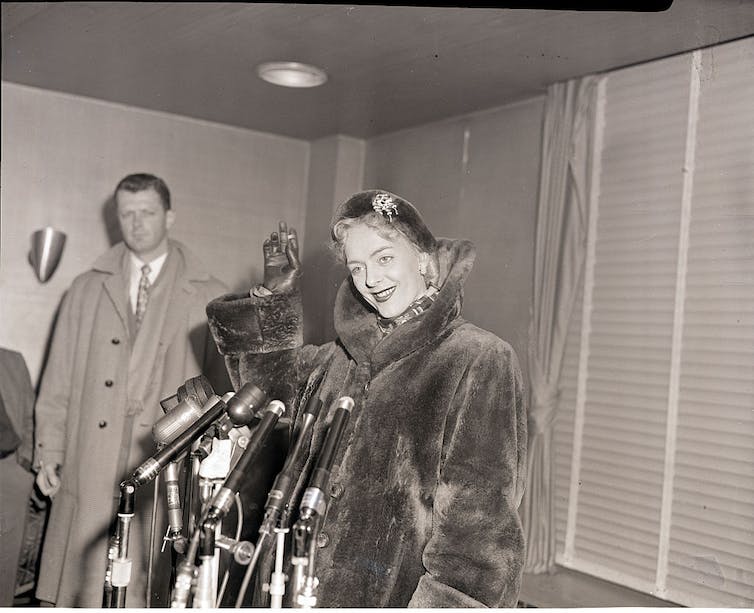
(476, 177)
(473, 176)
(335, 172)
(62, 157)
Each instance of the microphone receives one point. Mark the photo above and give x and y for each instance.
(223, 500)
(182, 409)
(312, 510)
(175, 421)
(175, 512)
(196, 386)
(314, 500)
(277, 499)
(244, 404)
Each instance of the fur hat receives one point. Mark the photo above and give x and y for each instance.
(398, 212)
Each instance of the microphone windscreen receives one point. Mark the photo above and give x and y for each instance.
(345, 402)
(196, 386)
(199, 387)
(245, 403)
(170, 425)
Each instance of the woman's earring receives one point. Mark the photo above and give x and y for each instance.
(422, 269)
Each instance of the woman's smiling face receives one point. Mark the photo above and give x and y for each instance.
(384, 270)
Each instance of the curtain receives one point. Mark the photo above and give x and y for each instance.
(560, 249)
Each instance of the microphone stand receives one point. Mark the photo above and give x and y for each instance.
(185, 576)
(206, 586)
(214, 452)
(120, 569)
(152, 528)
(277, 579)
(181, 410)
(305, 532)
(277, 510)
(218, 504)
(313, 509)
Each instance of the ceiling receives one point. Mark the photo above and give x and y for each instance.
(390, 67)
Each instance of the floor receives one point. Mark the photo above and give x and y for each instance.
(568, 588)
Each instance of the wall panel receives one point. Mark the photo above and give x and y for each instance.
(62, 157)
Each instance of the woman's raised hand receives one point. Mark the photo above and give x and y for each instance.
(281, 264)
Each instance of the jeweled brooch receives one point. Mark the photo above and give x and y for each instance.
(384, 204)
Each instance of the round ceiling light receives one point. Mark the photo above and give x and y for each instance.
(291, 74)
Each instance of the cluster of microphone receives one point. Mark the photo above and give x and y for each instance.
(313, 508)
(232, 410)
(196, 415)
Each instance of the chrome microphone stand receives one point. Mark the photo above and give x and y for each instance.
(213, 471)
(278, 578)
(277, 508)
(232, 406)
(118, 573)
(219, 486)
(304, 552)
(206, 583)
(313, 508)
(202, 578)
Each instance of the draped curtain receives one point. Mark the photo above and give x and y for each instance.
(560, 250)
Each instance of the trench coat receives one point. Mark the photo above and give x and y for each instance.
(94, 422)
(426, 484)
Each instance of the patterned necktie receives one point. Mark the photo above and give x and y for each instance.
(143, 295)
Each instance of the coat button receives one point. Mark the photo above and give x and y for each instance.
(323, 540)
(109, 383)
(102, 424)
(336, 490)
(115, 341)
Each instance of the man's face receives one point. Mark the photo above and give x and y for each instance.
(144, 222)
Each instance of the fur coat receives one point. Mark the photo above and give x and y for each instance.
(431, 468)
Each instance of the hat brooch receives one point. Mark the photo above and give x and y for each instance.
(386, 205)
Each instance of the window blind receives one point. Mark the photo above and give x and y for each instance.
(655, 456)
(622, 449)
(711, 547)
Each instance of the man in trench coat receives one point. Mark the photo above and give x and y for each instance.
(126, 336)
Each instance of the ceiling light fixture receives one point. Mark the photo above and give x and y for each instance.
(291, 74)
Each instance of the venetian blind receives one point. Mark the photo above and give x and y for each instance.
(655, 429)
(623, 441)
(711, 546)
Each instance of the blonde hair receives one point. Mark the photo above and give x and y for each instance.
(378, 223)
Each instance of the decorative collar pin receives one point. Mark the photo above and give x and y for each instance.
(384, 204)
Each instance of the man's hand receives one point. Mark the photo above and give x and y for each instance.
(48, 480)
(281, 264)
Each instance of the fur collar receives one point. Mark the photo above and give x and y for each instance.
(360, 334)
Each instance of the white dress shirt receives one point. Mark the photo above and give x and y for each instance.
(135, 275)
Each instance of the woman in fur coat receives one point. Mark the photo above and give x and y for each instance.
(430, 470)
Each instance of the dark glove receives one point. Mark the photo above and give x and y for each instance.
(281, 264)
